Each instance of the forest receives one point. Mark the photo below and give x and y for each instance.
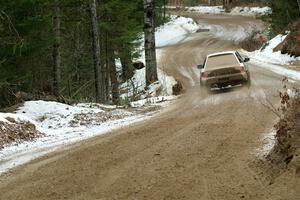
(46, 47)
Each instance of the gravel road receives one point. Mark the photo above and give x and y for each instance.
(202, 147)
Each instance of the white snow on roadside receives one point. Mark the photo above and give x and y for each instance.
(56, 121)
(268, 55)
(174, 31)
(251, 11)
(207, 9)
(295, 75)
(244, 11)
(274, 61)
(268, 142)
(137, 83)
(160, 100)
(16, 117)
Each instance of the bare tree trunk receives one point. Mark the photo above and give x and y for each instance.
(126, 62)
(96, 52)
(114, 79)
(106, 70)
(227, 5)
(150, 52)
(56, 50)
(165, 8)
(298, 5)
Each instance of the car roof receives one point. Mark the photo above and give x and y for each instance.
(221, 53)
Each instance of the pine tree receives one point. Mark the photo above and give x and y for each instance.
(46, 46)
(56, 49)
(284, 13)
(150, 50)
(96, 52)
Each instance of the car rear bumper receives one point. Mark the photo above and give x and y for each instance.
(225, 80)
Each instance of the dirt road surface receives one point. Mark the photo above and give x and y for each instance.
(200, 148)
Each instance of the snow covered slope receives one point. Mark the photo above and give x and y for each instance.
(244, 11)
(170, 33)
(174, 31)
(63, 124)
(274, 61)
(267, 54)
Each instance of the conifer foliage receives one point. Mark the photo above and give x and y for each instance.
(285, 12)
(68, 48)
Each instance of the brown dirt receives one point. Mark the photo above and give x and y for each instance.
(201, 147)
(16, 132)
(291, 44)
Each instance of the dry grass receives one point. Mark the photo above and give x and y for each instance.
(287, 146)
(16, 132)
(254, 42)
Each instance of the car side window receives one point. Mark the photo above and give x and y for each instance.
(239, 57)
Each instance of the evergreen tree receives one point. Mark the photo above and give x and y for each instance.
(150, 50)
(46, 46)
(284, 13)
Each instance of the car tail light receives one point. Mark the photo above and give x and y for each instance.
(204, 74)
(241, 68)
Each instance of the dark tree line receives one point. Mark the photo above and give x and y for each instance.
(68, 48)
(285, 12)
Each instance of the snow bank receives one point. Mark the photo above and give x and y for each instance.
(244, 11)
(174, 31)
(170, 33)
(251, 11)
(207, 9)
(269, 141)
(62, 124)
(137, 83)
(160, 100)
(16, 117)
(268, 55)
(274, 61)
(15, 129)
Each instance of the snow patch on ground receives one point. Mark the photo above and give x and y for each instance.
(268, 143)
(289, 73)
(160, 100)
(136, 85)
(16, 117)
(207, 9)
(268, 55)
(274, 61)
(244, 11)
(251, 11)
(63, 124)
(174, 31)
